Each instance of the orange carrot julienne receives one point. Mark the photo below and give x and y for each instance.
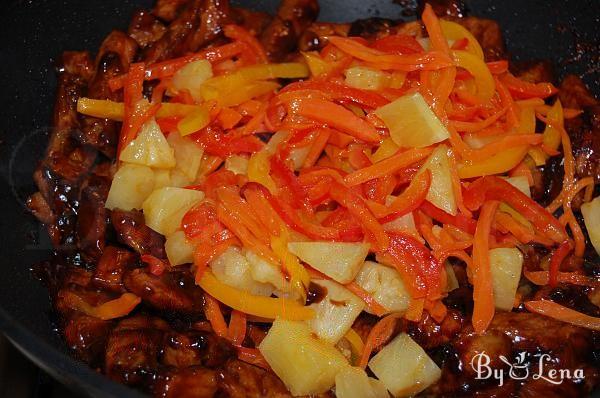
(238, 33)
(338, 117)
(371, 303)
(556, 311)
(471, 127)
(559, 255)
(253, 357)
(214, 315)
(237, 327)
(390, 165)
(483, 294)
(434, 30)
(378, 336)
(542, 278)
(317, 147)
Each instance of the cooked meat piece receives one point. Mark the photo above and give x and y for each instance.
(240, 380)
(111, 266)
(253, 21)
(87, 336)
(429, 334)
(314, 38)
(40, 208)
(172, 291)
(132, 356)
(293, 17)
(533, 71)
(145, 28)
(574, 94)
(168, 10)
(372, 28)
(199, 23)
(133, 232)
(115, 55)
(92, 220)
(488, 34)
(142, 322)
(193, 382)
(196, 348)
(453, 8)
(509, 335)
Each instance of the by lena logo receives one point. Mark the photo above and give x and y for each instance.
(522, 369)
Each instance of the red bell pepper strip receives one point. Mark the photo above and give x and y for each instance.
(287, 181)
(460, 221)
(496, 188)
(338, 117)
(339, 92)
(398, 44)
(411, 198)
(560, 253)
(359, 210)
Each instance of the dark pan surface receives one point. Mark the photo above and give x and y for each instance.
(33, 33)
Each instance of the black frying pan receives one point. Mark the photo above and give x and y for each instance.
(34, 33)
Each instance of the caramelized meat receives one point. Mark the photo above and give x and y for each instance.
(168, 10)
(452, 8)
(293, 17)
(314, 38)
(132, 231)
(87, 336)
(193, 382)
(172, 291)
(196, 348)
(111, 267)
(145, 28)
(241, 380)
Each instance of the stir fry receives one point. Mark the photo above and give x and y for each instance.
(371, 176)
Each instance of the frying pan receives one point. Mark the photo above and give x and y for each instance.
(34, 33)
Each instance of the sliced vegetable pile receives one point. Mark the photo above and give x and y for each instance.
(359, 179)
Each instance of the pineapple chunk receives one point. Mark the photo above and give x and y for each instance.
(521, 183)
(411, 122)
(385, 285)
(451, 280)
(130, 186)
(304, 363)
(505, 265)
(165, 207)
(150, 148)
(335, 313)
(264, 272)
(591, 218)
(404, 367)
(179, 250)
(366, 78)
(237, 164)
(338, 260)
(191, 77)
(353, 382)
(233, 269)
(440, 192)
(178, 179)
(188, 155)
(162, 178)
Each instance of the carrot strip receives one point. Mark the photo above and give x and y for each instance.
(556, 311)
(542, 278)
(390, 165)
(434, 30)
(238, 33)
(338, 117)
(483, 294)
(237, 327)
(378, 336)
(556, 260)
(431, 60)
(212, 311)
(472, 127)
(317, 147)
(253, 357)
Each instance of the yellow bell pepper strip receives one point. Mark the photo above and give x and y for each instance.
(259, 168)
(299, 277)
(486, 87)
(231, 94)
(552, 135)
(289, 70)
(387, 148)
(454, 31)
(194, 121)
(316, 64)
(497, 164)
(261, 306)
(106, 109)
(356, 344)
(112, 309)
